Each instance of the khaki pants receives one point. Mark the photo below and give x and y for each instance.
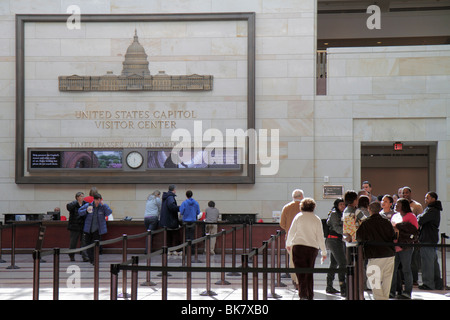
(212, 229)
(379, 276)
(291, 265)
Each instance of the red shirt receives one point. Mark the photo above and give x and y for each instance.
(409, 217)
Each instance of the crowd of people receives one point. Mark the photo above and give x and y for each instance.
(388, 227)
(164, 211)
(396, 221)
(87, 222)
(88, 216)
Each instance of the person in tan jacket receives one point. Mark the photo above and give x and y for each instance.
(290, 210)
(288, 214)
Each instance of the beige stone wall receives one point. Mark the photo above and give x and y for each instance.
(285, 64)
(383, 94)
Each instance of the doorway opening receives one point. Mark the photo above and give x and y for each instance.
(388, 169)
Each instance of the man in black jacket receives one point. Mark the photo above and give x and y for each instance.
(429, 222)
(75, 224)
(169, 216)
(381, 258)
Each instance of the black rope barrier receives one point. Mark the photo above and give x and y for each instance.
(354, 269)
(38, 254)
(249, 264)
(13, 226)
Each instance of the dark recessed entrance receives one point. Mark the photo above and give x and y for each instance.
(388, 169)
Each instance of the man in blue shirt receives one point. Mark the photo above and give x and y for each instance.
(189, 211)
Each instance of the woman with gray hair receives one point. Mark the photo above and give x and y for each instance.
(152, 210)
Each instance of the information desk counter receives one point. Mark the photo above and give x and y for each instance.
(57, 235)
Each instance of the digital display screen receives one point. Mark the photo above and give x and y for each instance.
(194, 158)
(45, 159)
(76, 159)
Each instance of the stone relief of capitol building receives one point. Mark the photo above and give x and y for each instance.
(136, 76)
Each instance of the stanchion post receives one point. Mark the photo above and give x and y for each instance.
(183, 240)
(56, 252)
(272, 274)
(353, 274)
(124, 293)
(208, 291)
(233, 252)
(134, 278)
(1, 228)
(114, 281)
(350, 282)
(164, 274)
(96, 269)
(255, 274)
(265, 275)
(36, 273)
(188, 273)
(279, 283)
(444, 261)
(250, 234)
(244, 238)
(196, 259)
(165, 237)
(13, 248)
(244, 259)
(222, 280)
(360, 268)
(149, 282)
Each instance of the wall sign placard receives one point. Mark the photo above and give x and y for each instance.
(333, 192)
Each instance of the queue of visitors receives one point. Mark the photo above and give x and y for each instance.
(88, 216)
(362, 218)
(358, 218)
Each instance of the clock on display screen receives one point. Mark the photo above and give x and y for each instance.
(134, 159)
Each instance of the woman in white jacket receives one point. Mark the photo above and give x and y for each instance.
(305, 238)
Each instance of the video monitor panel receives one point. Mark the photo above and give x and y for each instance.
(194, 158)
(74, 159)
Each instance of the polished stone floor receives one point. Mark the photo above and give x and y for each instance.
(76, 282)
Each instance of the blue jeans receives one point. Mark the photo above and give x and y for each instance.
(430, 267)
(151, 222)
(337, 259)
(403, 257)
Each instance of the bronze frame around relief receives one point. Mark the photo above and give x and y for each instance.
(21, 19)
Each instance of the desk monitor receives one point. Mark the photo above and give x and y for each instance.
(56, 215)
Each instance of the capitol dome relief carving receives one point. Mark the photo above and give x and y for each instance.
(136, 76)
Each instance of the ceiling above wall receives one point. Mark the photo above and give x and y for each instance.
(353, 6)
(342, 23)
